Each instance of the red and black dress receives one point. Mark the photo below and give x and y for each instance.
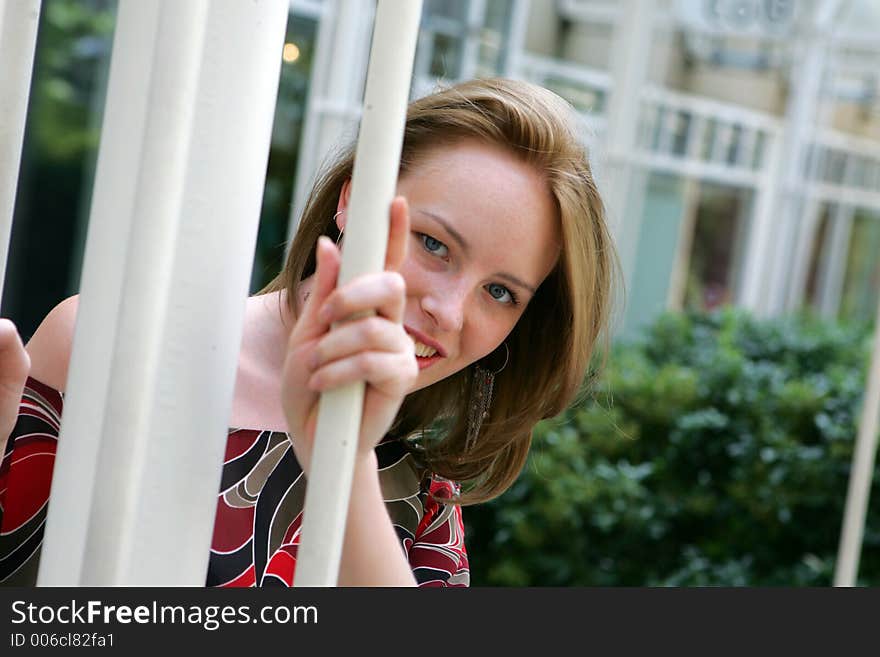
(259, 506)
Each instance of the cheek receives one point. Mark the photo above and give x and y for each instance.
(487, 334)
(413, 275)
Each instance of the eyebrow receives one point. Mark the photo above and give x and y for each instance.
(449, 229)
(510, 278)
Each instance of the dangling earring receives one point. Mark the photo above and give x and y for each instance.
(481, 398)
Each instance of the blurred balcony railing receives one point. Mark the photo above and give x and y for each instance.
(844, 168)
(677, 132)
(712, 140)
(699, 137)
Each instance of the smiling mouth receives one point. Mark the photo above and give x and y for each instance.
(423, 350)
(426, 355)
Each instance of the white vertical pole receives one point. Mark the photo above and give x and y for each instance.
(18, 37)
(470, 48)
(721, 142)
(801, 117)
(335, 91)
(696, 136)
(631, 51)
(516, 38)
(847, 566)
(833, 271)
(833, 260)
(802, 258)
(753, 293)
(684, 245)
(377, 159)
(745, 156)
(170, 244)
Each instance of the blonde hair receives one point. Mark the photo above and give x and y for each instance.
(551, 346)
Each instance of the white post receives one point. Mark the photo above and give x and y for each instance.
(832, 256)
(847, 566)
(170, 244)
(516, 39)
(377, 159)
(753, 293)
(335, 92)
(631, 52)
(745, 156)
(675, 295)
(802, 258)
(470, 49)
(799, 128)
(833, 271)
(18, 37)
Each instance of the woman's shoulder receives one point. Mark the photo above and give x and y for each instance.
(49, 349)
(50, 345)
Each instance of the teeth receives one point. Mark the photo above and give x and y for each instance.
(423, 350)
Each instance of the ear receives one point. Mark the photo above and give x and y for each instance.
(342, 205)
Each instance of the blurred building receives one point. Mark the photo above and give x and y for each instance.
(736, 142)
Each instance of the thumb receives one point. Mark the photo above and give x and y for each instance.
(327, 263)
(398, 234)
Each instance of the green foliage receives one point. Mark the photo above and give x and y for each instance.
(72, 50)
(716, 451)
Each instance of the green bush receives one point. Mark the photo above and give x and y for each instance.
(716, 451)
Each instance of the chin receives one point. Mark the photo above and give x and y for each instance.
(427, 378)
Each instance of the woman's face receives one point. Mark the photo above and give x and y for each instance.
(483, 236)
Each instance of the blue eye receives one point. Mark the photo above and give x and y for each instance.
(433, 246)
(501, 293)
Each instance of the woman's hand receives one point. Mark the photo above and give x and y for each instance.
(14, 368)
(372, 347)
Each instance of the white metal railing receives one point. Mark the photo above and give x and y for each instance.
(377, 160)
(333, 105)
(168, 256)
(18, 37)
(677, 132)
(179, 180)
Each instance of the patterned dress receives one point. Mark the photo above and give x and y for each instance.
(259, 505)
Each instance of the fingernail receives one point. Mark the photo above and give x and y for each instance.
(318, 253)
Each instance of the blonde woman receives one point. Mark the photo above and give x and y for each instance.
(496, 290)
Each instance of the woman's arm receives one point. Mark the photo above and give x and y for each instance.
(326, 350)
(372, 554)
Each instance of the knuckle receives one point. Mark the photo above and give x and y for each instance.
(336, 303)
(373, 329)
(301, 351)
(366, 362)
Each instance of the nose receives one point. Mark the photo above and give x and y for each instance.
(445, 306)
